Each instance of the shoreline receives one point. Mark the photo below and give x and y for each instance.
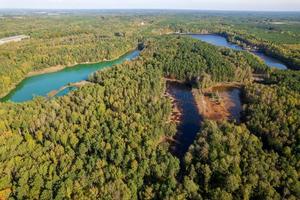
(251, 48)
(223, 85)
(57, 68)
(176, 113)
(216, 109)
(47, 70)
(79, 84)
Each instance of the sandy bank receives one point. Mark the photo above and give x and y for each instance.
(56, 69)
(49, 70)
(61, 67)
(53, 93)
(216, 103)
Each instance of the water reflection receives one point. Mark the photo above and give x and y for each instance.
(222, 42)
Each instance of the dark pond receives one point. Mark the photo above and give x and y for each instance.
(190, 119)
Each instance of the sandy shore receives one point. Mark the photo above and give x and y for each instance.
(77, 84)
(49, 70)
(213, 109)
(176, 114)
(56, 69)
(61, 67)
(210, 109)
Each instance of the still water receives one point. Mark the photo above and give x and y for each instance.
(190, 118)
(221, 41)
(41, 85)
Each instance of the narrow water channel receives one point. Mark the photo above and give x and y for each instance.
(218, 40)
(190, 118)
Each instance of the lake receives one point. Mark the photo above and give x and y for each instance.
(222, 42)
(190, 119)
(41, 85)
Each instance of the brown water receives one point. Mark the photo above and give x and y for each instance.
(232, 97)
(190, 119)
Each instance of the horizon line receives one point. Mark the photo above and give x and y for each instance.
(152, 9)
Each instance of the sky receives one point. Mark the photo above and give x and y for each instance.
(264, 5)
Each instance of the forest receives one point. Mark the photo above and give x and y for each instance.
(52, 43)
(287, 52)
(276, 34)
(106, 139)
(202, 64)
(93, 37)
(94, 143)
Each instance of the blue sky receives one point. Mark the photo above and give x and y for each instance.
(287, 5)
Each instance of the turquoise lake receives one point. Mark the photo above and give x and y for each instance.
(41, 85)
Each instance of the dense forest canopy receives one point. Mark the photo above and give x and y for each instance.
(67, 38)
(197, 62)
(276, 34)
(106, 139)
(63, 41)
(94, 143)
